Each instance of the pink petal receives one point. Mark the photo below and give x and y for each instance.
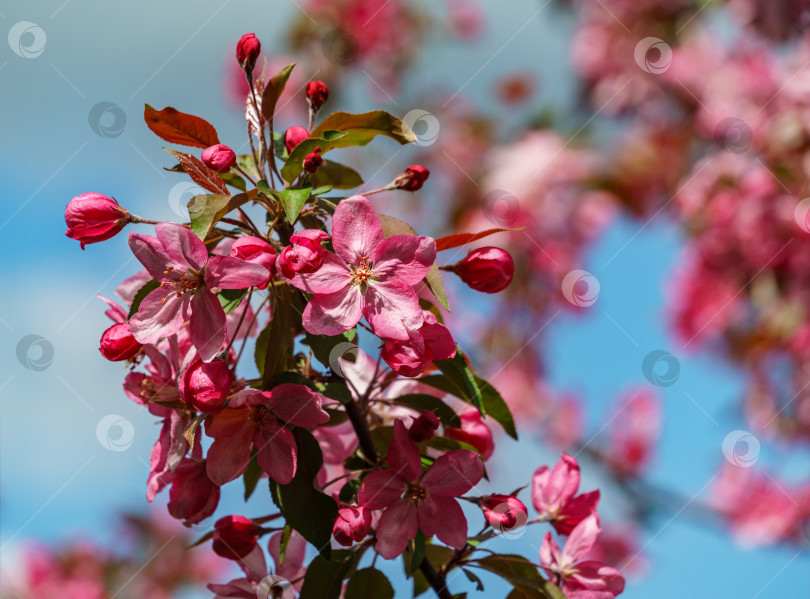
(127, 288)
(581, 540)
(403, 454)
(228, 422)
(115, 312)
(149, 251)
(397, 526)
(276, 452)
(550, 555)
(226, 272)
(405, 258)
(596, 576)
(182, 246)
(356, 230)
(438, 338)
(298, 405)
(292, 566)
(575, 511)
(207, 324)
(454, 473)
(333, 313)
(392, 310)
(160, 314)
(228, 456)
(443, 517)
(332, 275)
(380, 489)
(552, 488)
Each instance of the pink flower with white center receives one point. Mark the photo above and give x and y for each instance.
(256, 419)
(368, 275)
(553, 493)
(413, 500)
(188, 278)
(583, 580)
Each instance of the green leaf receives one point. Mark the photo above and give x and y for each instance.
(274, 346)
(336, 175)
(459, 373)
(321, 190)
(294, 165)
(479, 586)
(324, 578)
(322, 345)
(273, 90)
(349, 490)
(306, 509)
(286, 534)
(234, 181)
(230, 299)
(522, 574)
(369, 583)
(206, 210)
(436, 286)
(362, 128)
(422, 401)
(293, 200)
(148, 288)
(496, 407)
(415, 553)
(252, 475)
(437, 555)
(245, 162)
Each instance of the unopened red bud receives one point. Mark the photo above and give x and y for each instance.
(424, 427)
(93, 217)
(234, 537)
(487, 269)
(313, 161)
(118, 344)
(219, 158)
(413, 178)
(294, 136)
(504, 512)
(247, 51)
(205, 385)
(352, 525)
(317, 94)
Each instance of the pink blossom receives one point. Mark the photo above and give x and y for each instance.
(432, 341)
(193, 496)
(352, 525)
(118, 344)
(205, 385)
(294, 136)
(474, 432)
(234, 537)
(304, 254)
(220, 158)
(93, 217)
(368, 275)
(257, 419)
(487, 269)
(633, 436)
(413, 500)
(424, 426)
(583, 580)
(504, 512)
(553, 495)
(188, 276)
(256, 251)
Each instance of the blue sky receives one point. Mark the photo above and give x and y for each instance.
(58, 480)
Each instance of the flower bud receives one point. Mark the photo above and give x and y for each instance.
(487, 269)
(305, 255)
(317, 94)
(219, 158)
(205, 386)
(474, 432)
(118, 344)
(413, 178)
(93, 217)
(193, 497)
(313, 161)
(256, 251)
(352, 525)
(247, 51)
(504, 512)
(294, 136)
(424, 427)
(234, 537)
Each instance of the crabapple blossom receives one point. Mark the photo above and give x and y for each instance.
(234, 536)
(554, 495)
(247, 51)
(432, 341)
(474, 432)
(313, 161)
(117, 343)
(503, 512)
(294, 136)
(317, 94)
(257, 251)
(352, 525)
(205, 385)
(412, 178)
(219, 158)
(93, 217)
(304, 255)
(487, 269)
(423, 427)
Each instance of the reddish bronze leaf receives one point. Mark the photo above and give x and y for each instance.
(180, 128)
(457, 239)
(200, 174)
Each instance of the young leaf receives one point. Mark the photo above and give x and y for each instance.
(205, 211)
(234, 181)
(180, 128)
(451, 241)
(306, 509)
(369, 583)
(274, 346)
(436, 286)
(230, 299)
(336, 175)
(273, 90)
(362, 128)
(496, 407)
(148, 288)
(293, 200)
(459, 373)
(324, 578)
(199, 173)
(294, 165)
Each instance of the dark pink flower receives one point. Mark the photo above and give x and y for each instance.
(256, 251)
(504, 512)
(553, 495)
(93, 217)
(294, 136)
(247, 51)
(305, 255)
(424, 426)
(180, 262)
(219, 158)
(118, 344)
(368, 275)
(474, 432)
(413, 500)
(487, 269)
(317, 94)
(193, 497)
(432, 341)
(582, 580)
(413, 178)
(352, 525)
(257, 419)
(234, 537)
(205, 385)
